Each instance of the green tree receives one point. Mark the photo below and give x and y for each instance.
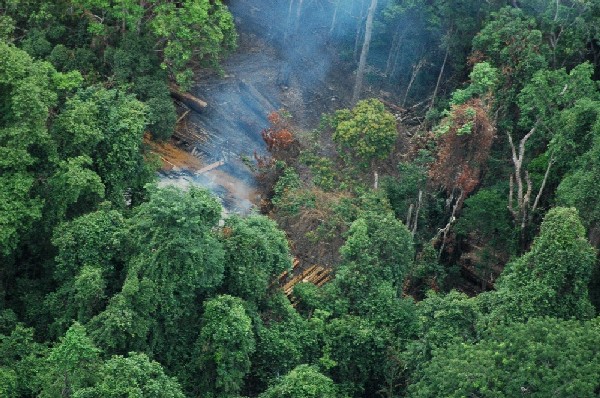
(354, 347)
(486, 219)
(581, 187)
(222, 351)
(174, 261)
(304, 381)
(552, 278)
(28, 93)
(72, 364)
(89, 250)
(378, 248)
(443, 320)
(541, 358)
(256, 251)
(22, 359)
(135, 64)
(512, 43)
(175, 245)
(367, 132)
(128, 319)
(184, 33)
(118, 156)
(133, 376)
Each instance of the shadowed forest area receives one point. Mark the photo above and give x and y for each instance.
(301, 198)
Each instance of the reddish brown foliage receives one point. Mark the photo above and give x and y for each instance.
(278, 136)
(462, 157)
(475, 58)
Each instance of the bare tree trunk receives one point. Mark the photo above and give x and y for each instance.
(517, 158)
(416, 219)
(439, 79)
(359, 29)
(524, 210)
(364, 52)
(415, 72)
(444, 231)
(539, 194)
(334, 18)
(394, 48)
(409, 216)
(298, 14)
(397, 59)
(288, 23)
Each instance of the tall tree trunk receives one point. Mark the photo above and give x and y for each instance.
(398, 59)
(364, 52)
(394, 48)
(413, 76)
(288, 23)
(439, 79)
(334, 18)
(359, 29)
(298, 14)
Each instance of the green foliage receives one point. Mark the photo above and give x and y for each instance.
(288, 181)
(443, 320)
(381, 247)
(200, 30)
(405, 191)
(177, 248)
(133, 376)
(92, 239)
(85, 267)
(21, 361)
(512, 44)
(27, 95)
(552, 278)
(355, 346)
(283, 342)
(8, 383)
(117, 158)
(126, 322)
(580, 190)
(484, 78)
(303, 381)
(222, 351)
(551, 91)
(322, 170)
(256, 252)
(136, 65)
(7, 27)
(541, 358)
(288, 197)
(72, 364)
(367, 132)
(487, 219)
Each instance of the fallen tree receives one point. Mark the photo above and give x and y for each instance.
(188, 99)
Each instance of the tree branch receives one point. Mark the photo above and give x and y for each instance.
(539, 194)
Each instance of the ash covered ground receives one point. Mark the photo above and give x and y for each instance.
(275, 67)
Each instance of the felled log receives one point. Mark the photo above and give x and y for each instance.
(193, 102)
(210, 167)
(393, 107)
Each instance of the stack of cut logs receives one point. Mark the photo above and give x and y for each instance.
(314, 274)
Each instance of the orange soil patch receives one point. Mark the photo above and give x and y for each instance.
(173, 157)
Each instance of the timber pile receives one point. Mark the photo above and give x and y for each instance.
(172, 157)
(314, 274)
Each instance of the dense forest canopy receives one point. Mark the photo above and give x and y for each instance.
(449, 199)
